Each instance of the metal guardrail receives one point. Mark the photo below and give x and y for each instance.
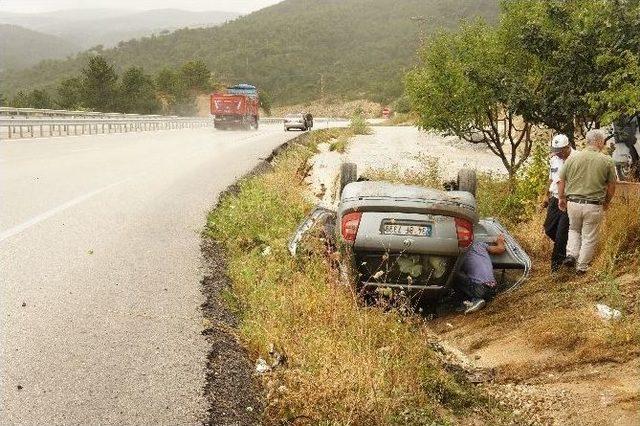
(43, 127)
(34, 112)
(18, 123)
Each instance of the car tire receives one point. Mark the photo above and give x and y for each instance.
(348, 174)
(467, 181)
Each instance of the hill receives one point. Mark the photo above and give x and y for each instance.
(296, 50)
(107, 27)
(20, 47)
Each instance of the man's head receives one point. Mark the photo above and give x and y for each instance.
(595, 139)
(560, 146)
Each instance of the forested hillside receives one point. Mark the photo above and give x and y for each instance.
(296, 50)
(20, 47)
(91, 27)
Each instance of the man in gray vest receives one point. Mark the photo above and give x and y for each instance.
(587, 185)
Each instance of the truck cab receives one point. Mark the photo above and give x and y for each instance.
(236, 108)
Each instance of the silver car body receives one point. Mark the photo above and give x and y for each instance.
(381, 256)
(295, 121)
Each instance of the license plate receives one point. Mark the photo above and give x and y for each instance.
(408, 230)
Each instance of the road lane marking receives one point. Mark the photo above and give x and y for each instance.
(49, 213)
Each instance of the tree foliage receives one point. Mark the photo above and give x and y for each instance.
(70, 94)
(294, 50)
(137, 93)
(99, 85)
(469, 85)
(566, 65)
(100, 88)
(36, 98)
(585, 54)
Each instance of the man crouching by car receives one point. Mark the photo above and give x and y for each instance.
(475, 280)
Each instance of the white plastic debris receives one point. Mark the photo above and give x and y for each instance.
(608, 313)
(377, 275)
(262, 366)
(266, 251)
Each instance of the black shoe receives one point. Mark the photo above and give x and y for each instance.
(569, 262)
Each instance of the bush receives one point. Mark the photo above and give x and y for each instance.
(359, 125)
(513, 201)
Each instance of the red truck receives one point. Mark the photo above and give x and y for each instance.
(236, 108)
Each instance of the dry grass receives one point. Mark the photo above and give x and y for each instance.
(429, 175)
(345, 364)
(556, 312)
(400, 119)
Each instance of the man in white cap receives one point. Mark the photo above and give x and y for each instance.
(587, 185)
(556, 224)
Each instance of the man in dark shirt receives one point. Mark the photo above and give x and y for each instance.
(475, 280)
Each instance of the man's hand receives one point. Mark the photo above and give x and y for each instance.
(562, 204)
(500, 246)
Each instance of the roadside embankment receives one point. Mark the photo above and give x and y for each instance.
(323, 356)
(542, 352)
(555, 359)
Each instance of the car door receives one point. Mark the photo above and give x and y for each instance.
(515, 257)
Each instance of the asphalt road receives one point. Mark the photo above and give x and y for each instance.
(100, 270)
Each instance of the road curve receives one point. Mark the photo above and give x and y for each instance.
(100, 269)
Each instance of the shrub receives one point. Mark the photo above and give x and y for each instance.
(359, 125)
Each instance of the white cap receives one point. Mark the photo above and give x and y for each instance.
(559, 142)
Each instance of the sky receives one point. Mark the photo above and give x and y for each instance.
(34, 6)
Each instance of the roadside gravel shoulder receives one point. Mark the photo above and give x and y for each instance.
(233, 393)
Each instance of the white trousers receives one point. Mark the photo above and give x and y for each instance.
(584, 224)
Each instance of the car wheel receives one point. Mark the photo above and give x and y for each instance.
(467, 181)
(348, 174)
(623, 171)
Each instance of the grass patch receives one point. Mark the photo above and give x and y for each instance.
(346, 364)
(337, 138)
(359, 124)
(401, 119)
(554, 312)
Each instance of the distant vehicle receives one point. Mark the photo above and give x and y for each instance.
(302, 121)
(236, 108)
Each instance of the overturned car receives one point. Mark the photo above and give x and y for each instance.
(414, 238)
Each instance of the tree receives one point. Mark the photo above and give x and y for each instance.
(38, 99)
(559, 38)
(195, 76)
(20, 100)
(469, 85)
(99, 85)
(137, 93)
(618, 60)
(265, 102)
(70, 94)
